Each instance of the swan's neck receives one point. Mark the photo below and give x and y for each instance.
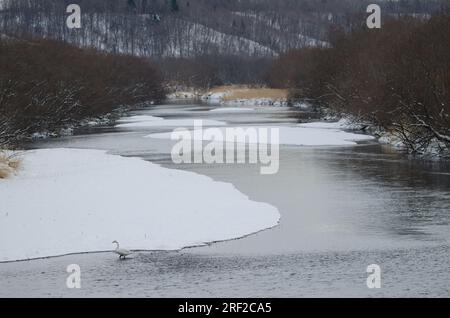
(117, 244)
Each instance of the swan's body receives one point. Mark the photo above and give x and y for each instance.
(123, 253)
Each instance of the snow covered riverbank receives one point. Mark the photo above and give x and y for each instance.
(236, 96)
(69, 201)
(434, 150)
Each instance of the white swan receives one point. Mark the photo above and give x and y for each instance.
(123, 253)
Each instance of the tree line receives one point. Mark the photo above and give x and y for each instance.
(47, 85)
(396, 78)
(204, 72)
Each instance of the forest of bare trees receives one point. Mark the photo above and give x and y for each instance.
(397, 77)
(47, 85)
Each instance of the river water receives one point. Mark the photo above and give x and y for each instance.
(342, 209)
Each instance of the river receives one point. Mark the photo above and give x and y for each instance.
(342, 209)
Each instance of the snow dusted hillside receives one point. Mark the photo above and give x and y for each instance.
(275, 26)
(193, 27)
(218, 42)
(170, 37)
(193, 31)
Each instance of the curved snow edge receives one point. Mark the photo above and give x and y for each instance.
(68, 201)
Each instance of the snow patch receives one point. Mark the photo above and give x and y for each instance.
(220, 98)
(257, 102)
(69, 201)
(140, 118)
(296, 136)
(150, 121)
(341, 124)
(231, 110)
(182, 95)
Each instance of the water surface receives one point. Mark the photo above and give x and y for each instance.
(342, 208)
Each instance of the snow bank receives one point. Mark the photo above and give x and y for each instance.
(151, 121)
(215, 98)
(344, 123)
(220, 98)
(391, 139)
(302, 105)
(435, 149)
(182, 95)
(140, 118)
(296, 136)
(231, 110)
(69, 201)
(257, 102)
(341, 124)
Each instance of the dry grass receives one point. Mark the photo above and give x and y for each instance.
(235, 92)
(226, 88)
(9, 164)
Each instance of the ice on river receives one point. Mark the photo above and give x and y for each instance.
(151, 121)
(296, 136)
